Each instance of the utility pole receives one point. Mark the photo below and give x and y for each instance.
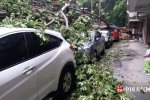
(99, 7)
(99, 11)
(91, 6)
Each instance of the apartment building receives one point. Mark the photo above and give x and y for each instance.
(139, 17)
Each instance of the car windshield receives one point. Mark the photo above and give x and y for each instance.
(104, 33)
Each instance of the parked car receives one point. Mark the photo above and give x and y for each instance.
(108, 37)
(95, 46)
(112, 27)
(31, 68)
(116, 35)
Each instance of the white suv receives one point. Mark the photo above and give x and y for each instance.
(31, 68)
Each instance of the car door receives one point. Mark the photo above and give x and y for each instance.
(45, 54)
(18, 79)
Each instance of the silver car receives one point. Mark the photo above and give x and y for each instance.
(31, 68)
(108, 37)
(96, 45)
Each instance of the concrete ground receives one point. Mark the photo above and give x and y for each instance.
(130, 68)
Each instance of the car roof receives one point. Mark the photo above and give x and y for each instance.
(103, 30)
(7, 30)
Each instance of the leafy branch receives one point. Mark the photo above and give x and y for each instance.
(94, 81)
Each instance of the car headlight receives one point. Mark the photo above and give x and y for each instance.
(83, 49)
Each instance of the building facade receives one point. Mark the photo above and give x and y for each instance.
(139, 18)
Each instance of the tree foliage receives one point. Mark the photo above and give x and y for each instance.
(117, 15)
(113, 11)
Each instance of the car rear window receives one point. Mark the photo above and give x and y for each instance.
(12, 50)
(37, 46)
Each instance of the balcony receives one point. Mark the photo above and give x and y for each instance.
(138, 5)
(142, 6)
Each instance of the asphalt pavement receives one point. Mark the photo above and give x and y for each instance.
(130, 69)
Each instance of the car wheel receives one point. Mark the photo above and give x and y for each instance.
(110, 44)
(93, 57)
(103, 51)
(98, 56)
(66, 82)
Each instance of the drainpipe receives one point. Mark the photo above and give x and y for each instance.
(144, 30)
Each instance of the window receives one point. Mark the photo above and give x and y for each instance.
(37, 46)
(97, 36)
(12, 50)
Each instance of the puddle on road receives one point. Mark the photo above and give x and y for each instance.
(127, 58)
(116, 63)
(127, 55)
(124, 55)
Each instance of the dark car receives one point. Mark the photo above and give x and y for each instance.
(95, 46)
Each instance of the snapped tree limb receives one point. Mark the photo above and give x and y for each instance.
(62, 13)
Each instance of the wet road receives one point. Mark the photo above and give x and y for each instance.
(130, 68)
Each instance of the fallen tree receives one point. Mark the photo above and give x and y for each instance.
(93, 82)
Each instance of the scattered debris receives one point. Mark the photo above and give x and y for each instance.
(134, 82)
(119, 75)
(142, 91)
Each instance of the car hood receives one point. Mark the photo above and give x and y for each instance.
(85, 47)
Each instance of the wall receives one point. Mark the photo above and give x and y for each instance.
(144, 29)
(148, 30)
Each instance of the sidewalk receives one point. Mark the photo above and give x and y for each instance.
(130, 69)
